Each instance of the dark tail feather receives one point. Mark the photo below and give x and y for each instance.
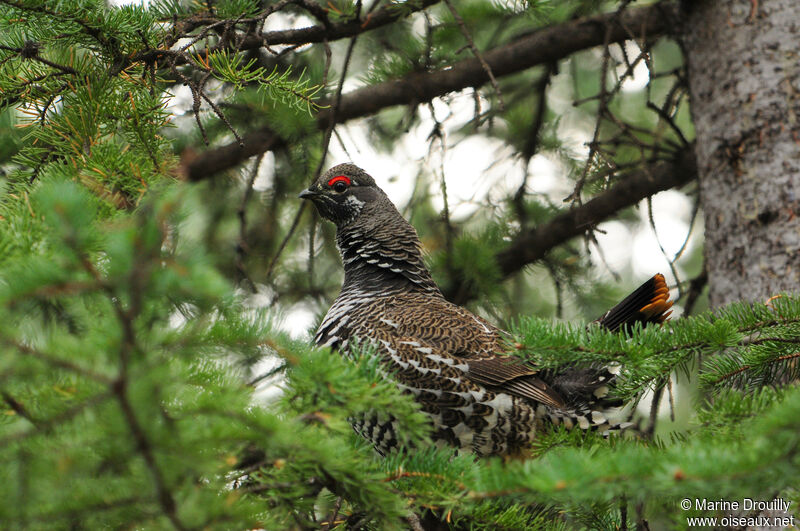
(586, 395)
(586, 390)
(648, 304)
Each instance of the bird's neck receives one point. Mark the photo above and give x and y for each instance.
(384, 260)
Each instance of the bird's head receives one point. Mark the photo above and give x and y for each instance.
(343, 192)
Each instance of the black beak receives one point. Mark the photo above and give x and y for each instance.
(307, 194)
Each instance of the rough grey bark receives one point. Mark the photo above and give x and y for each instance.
(744, 79)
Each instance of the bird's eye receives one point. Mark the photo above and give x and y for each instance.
(339, 184)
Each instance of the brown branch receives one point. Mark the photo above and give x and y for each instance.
(31, 51)
(293, 37)
(382, 17)
(743, 368)
(533, 244)
(119, 386)
(165, 498)
(18, 407)
(696, 286)
(533, 141)
(76, 513)
(541, 47)
(331, 115)
(64, 288)
(197, 167)
(650, 431)
(602, 110)
(670, 261)
(285, 241)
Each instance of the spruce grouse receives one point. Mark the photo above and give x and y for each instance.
(478, 398)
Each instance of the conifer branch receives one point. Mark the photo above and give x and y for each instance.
(31, 51)
(542, 47)
(120, 385)
(45, 424)
(743, 368)
(90, 30)
(56, 361)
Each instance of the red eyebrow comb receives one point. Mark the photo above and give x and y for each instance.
(343, 178)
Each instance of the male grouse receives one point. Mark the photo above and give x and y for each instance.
(478, 398)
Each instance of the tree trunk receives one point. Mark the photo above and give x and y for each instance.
(744, 81)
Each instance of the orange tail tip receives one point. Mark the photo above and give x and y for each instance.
(656, 311)
(649, 303)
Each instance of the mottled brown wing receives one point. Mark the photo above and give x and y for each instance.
(454, 332)
(512, 376)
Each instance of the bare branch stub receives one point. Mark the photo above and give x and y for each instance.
(532, 142)
(486, 68)
(242, 247)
